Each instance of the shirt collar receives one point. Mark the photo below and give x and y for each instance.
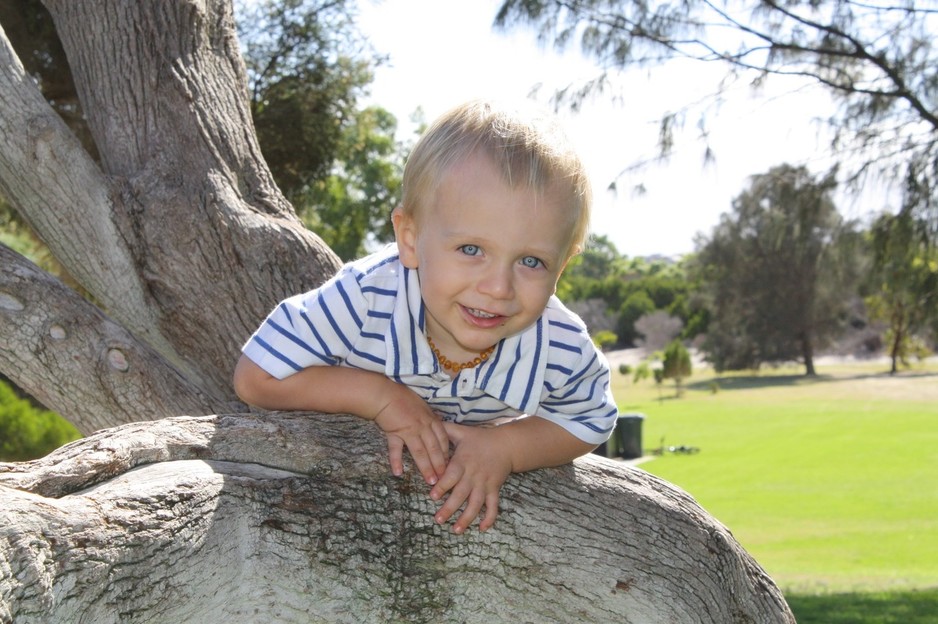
(514, 373)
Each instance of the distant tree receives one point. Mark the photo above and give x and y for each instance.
(635, 307)
(351, 206)
(904, 282)
(877, 60)
(604, 339)
(776, 272)
(658, 329)
(308, 68)
(676, 364)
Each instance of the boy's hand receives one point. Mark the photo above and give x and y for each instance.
(408, 421)
(474, 476)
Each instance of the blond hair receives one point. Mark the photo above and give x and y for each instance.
(528, 147)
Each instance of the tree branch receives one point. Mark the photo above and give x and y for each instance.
(66, 353)
(56, 186)
(861, 52)
(306, 530)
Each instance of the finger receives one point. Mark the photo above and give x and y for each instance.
(437, 449)
(396, 455)
(453, 431)
(454, 501)
(468, 514)
(422, 459)
(491, 512)
(442, 438)
(454, 472)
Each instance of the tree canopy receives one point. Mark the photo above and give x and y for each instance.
(777, 272)
(878, 61)
(904, 283)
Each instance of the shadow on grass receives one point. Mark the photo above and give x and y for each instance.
(906, 607)
(747, 382)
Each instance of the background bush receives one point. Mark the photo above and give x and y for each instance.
(28, 432)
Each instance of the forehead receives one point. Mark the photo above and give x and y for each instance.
(474, 194)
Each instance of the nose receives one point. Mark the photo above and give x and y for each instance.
(497, 282)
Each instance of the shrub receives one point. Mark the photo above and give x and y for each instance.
(28, 432)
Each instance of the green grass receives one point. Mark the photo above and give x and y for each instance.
(829, 483)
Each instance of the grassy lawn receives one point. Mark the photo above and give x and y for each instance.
(830, 483)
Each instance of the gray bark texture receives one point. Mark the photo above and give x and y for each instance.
(296, 518)
(183, 243)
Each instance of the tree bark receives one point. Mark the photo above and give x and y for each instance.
(184, 244)
(295, 518)
(179, 233)
(77, 361)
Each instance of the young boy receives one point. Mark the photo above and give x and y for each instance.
(456, 324)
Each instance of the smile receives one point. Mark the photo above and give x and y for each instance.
(480, 313)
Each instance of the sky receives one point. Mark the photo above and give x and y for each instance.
(443, 52)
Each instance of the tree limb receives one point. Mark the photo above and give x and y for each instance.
(72, 358)
(159, 521)
(62, 193)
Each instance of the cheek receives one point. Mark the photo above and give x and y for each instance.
(537, 294)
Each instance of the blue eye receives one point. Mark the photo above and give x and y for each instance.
(531, 262)
(470, 250)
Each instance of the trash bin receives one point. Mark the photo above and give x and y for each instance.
(628, 435)
(603, 449)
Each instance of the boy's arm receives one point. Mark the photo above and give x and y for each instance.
(484, 457)
(402, 414)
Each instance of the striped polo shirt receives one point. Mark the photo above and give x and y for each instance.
(371, 316)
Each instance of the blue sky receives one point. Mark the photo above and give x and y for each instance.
(445, 51)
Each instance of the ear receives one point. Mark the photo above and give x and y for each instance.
(405, 232)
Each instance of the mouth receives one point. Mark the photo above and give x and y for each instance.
(481, 314)
(482, 318)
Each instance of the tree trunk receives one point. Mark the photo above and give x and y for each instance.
(184, 244)
(807, 354)
(295, 518)
(178, 233)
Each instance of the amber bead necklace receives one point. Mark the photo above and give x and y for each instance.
(456, 367)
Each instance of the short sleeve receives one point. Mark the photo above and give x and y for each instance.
(315, 328)
(577, 394)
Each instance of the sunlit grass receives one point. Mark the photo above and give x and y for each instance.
(829, 483)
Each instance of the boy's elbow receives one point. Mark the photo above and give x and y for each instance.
(248, 381)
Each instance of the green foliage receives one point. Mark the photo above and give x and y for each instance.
(903, 283)
(624, 369)
(306, 72)
(308, 67)
(777, 273)
(637, 305)
(604, 339)
(677, 364)
(27, 432)
(642, 372)
(352, 205)
(630, 288)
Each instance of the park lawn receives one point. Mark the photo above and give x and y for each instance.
(829, 483)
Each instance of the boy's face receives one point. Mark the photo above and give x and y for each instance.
(489, 256)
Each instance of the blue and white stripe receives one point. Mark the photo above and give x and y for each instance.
(371, 316)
